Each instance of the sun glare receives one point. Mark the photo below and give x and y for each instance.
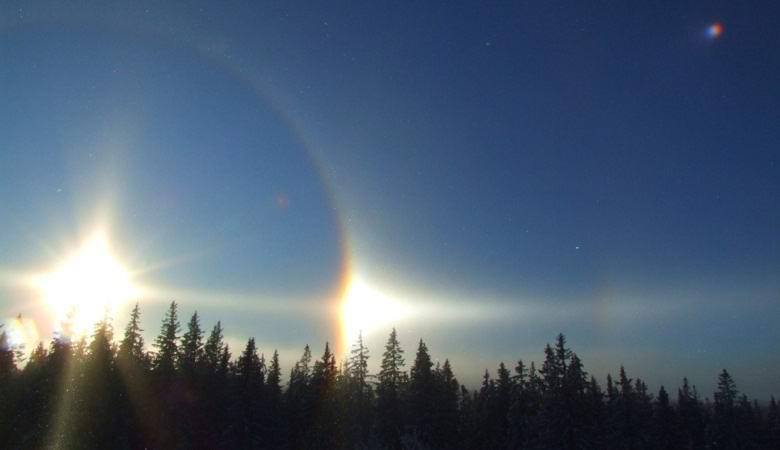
(367, 310)
(85, 287)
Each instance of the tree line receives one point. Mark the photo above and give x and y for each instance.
(190, 392)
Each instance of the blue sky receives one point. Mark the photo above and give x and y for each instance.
(508, 170)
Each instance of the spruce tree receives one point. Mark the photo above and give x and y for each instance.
(7, 378)
(326, 431)
(166, 343)
(167, 407)
(247, 421)
(773, 424)
(212, 350)
(274, 425)
(446, 415)
(421, 396)
(7, 357)
(97, 394)
(132, 363)
(358, 395)
(691, 415)
(191, 348)
(722, 433)
(502, 402)
(664, 428)
(391, 383)
(299, 400)
(521, 409)
(131, 349)
(485, 435)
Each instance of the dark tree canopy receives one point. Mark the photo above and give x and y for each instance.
(98, 393)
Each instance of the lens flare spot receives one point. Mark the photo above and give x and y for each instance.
(715, 30)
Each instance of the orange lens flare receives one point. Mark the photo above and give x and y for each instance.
(715, 30)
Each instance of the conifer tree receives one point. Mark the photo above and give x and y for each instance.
(521, 410)
(502, 402)
(214, 364)
(299, 400)
(273, 426)
(168, 399)
(485, 436)
(166, 344)
(248, 395)
(212, 350)
(7, 359)
(722, 433)
(421, 396)
(358, 395)
(131, 349)
(665, 434)
(326, 431)
(773, 424)
(445, 430)
(552, 421)
(7, 375)
(391, 383)
(596, 413)
(132, 362)
(273, 383)
(691, 415)
(191, 349)
(467, 419)
(97, 394)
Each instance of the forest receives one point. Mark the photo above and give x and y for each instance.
(192, 392)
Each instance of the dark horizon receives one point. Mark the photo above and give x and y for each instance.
(190, 393)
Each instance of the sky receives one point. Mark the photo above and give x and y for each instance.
(479, 175)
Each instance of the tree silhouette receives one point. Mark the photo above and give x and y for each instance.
(94, 393)
(358, 396)
(166, 343)
(7, 375)
(191, 348)
(446, 415)
(249, 386)
(391, 384)
(325, 432)
(421, 400)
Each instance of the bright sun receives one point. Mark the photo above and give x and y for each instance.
(85, 287)
(367, 310)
